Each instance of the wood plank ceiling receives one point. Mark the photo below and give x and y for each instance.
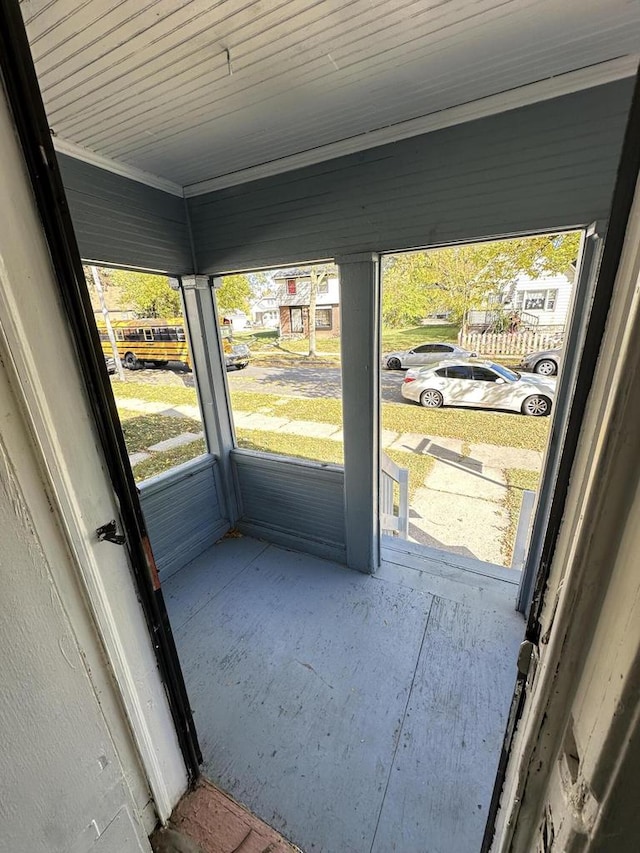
(192, 89)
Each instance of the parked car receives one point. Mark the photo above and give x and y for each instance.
(545, 362)
(481, 384)
(424, 355)
(237, 356)
(110, 362)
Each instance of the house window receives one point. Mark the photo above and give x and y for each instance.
(534, 300)
(296, 320)
(323, 287)
(291, 286)
(323, 318)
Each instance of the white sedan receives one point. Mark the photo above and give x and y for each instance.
(480, 384)
(423, 355)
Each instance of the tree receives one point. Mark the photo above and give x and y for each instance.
(234, 294)
(318, 274)
(462, 277)
(148, 295)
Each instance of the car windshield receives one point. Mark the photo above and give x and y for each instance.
(509, 375)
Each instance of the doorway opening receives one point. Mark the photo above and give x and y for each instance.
(474, 339)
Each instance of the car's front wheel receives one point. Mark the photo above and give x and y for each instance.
(536, 406)
(394, 364)
(431, 399)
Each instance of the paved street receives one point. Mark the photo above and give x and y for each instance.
(294, 381)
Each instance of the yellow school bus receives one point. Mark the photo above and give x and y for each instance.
(159, 341)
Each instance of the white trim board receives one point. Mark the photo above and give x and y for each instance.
(542, 90)
(63, 146)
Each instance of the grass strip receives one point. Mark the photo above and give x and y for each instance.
(518, 479)
(141, 431)
(157, 463)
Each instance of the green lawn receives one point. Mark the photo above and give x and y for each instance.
(167, 459)
(265, 345)
(394, 339)
(143, 430)
(518, 479)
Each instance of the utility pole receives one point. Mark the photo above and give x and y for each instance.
(107, 322)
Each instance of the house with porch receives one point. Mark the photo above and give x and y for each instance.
(241, 617)
(293, 295)
(264, 311)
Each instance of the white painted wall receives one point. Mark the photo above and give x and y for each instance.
(64, 776)
(84, 743)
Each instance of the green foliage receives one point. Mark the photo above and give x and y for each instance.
(458, 278)
(234, 294)
(148, 295)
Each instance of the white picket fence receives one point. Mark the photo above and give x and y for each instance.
(508, 343)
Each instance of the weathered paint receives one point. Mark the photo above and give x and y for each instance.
(183, 512)
(69, 497)
(292, 502)
(62, 777)
(349, 712)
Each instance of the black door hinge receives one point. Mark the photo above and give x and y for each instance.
(107, 533)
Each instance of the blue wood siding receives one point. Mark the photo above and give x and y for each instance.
(184, 513)
(287, 501)
(122, 222)
(540, 167)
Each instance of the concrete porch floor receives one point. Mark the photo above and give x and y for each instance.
(354, 714)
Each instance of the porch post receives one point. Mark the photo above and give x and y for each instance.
(359, 334)
(205, 344)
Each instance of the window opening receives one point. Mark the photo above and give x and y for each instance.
(157, 403)
(464, 392)
(290, 402)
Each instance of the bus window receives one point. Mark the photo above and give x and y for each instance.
(119, 335)
(180, 334)
(148, 334)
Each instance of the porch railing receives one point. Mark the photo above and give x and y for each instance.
(394, 514)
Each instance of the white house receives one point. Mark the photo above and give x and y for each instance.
(264, 311)
(547, 298)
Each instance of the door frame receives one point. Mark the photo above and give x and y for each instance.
(25, 103)
(546, 591)
(588, 265)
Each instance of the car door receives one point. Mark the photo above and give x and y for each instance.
(423, 355)
(458, 385)
(490, 390)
